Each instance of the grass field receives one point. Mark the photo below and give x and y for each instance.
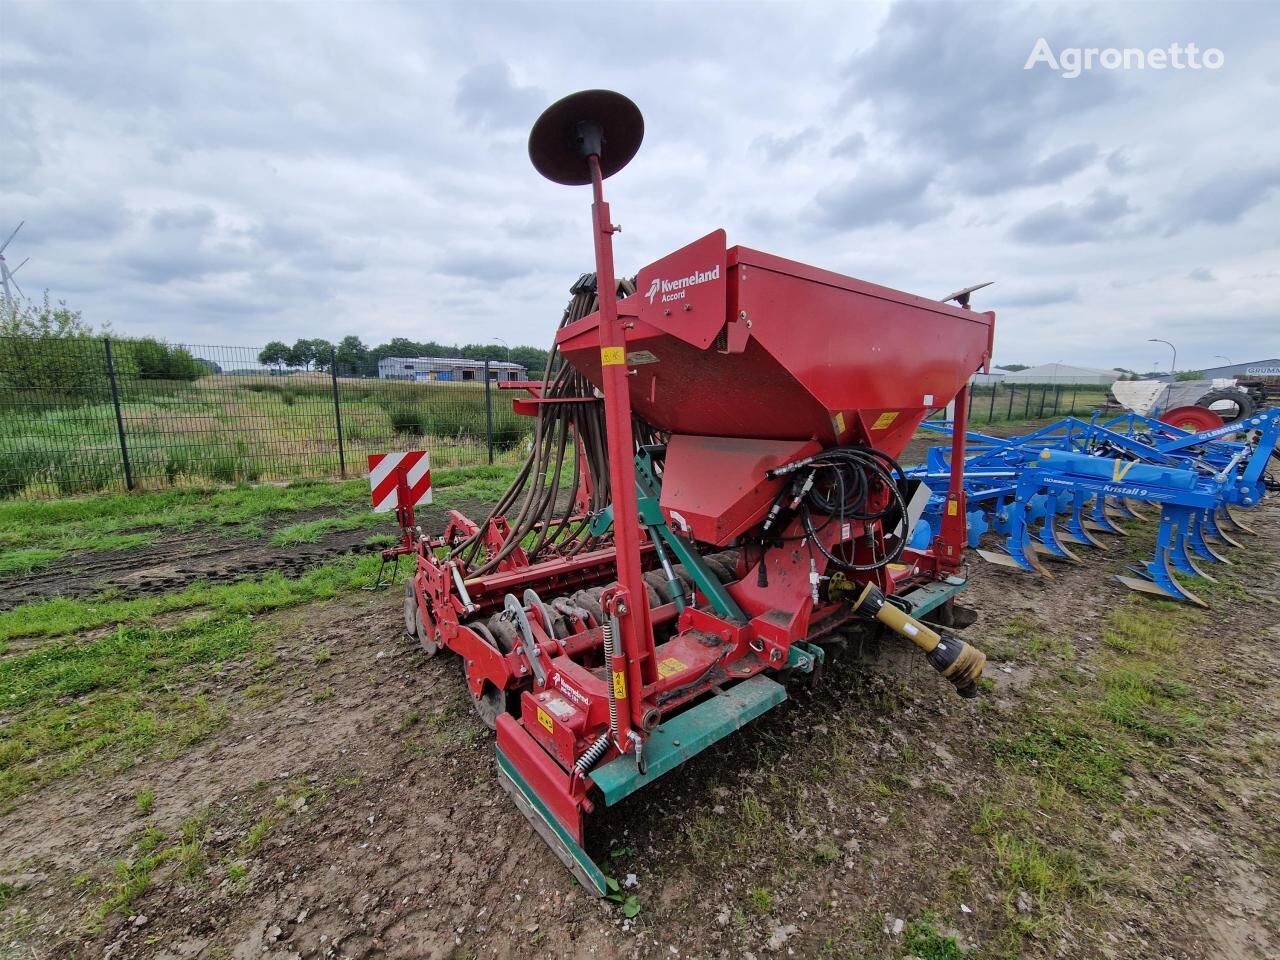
(242, 428)
(257, 762)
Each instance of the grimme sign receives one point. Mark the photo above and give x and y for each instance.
(1262, 371)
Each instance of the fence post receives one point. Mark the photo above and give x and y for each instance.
(337, 412)
(1012, 393)
(1057, 398)
(1044, 392)
(488, 411)
(1026, 407)
(1074, 390)
(991, 408)
(115, 402)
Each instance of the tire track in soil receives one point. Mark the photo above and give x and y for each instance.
(176, 562)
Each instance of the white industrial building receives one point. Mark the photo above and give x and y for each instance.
(1062, 373)
(446, 369)
(995, 377)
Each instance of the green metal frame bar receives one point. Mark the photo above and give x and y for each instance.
(929, 597)
(649, 494)
(688, 734)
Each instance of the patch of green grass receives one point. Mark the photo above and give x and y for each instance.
(256, 835)
(313, 530)
(1051, 874)
(145, 799)
(1154, 628)
(28, 560)
(1070, 751)
(922, 939)
(62, 616)
(7, 892)
(761, 899)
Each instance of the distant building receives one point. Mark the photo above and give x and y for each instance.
(996, 376)
(1253, 370)
(446, 369)
(1063, 373)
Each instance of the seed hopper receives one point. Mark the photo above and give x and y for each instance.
(711, 497)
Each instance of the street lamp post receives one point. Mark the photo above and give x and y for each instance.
(1173, 367)
(1219, 356)
(505, 344)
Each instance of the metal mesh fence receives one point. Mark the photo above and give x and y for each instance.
(1003, 403)
(82, 415)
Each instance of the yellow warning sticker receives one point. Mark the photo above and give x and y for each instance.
(839, 422)
(544, 718)
(884, 420)
(952, 508)
(619, 685)
(670, 666)
(612, 356)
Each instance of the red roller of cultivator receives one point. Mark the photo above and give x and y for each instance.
(710, 498)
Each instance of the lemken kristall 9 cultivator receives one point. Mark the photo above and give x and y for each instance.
(1069, 482)
(710, 497)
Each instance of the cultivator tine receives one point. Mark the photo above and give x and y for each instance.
(1022, 548)
(1134, 511)
(1197, 540)
(1100, 520)
(1215, 529)
(1234, 523)
(1123, 509)
(1155, 577)
(1050, 540)
(1077, 531)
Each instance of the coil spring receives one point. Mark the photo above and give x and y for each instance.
(607, 631)
(592, 755)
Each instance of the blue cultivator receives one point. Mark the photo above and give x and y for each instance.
(1059, 487)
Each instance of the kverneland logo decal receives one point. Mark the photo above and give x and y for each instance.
(674, 289)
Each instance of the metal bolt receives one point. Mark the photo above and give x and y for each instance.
(742, 314)
(688, 307)
(675, 743)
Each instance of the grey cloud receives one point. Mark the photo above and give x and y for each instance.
(488, 96)
(850, 147)
(485, 268)
(880, 195)
(1062, 223)
(1202, 275)
(1040, 297)
(926, 87)
(779, 149)
(1118, 162)
(1007, 173)
(1223, 198)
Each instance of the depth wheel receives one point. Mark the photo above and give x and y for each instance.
(413, 615)
(492, 702)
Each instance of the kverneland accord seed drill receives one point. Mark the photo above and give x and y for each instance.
(710, 498)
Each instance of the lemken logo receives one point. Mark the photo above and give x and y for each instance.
(674, 289)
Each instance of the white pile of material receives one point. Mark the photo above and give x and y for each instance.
(1150, 397)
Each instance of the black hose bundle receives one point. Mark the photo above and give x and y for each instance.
(843, 484)
(538, 506)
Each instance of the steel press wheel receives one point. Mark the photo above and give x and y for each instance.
(492, 702)
(410, 609)
(414, 625)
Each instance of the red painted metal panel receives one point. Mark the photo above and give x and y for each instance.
(713, 488)
(802, 353)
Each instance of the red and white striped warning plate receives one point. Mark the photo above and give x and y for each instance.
(385, 470)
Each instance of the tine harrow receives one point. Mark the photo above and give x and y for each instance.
(1067, 485)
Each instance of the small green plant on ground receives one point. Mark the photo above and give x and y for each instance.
(145, 799)
(922, 939)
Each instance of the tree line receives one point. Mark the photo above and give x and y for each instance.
(354, 359)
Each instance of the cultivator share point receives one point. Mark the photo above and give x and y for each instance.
(1087, 475)
(710, 499)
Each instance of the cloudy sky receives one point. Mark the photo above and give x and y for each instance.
(232, 173)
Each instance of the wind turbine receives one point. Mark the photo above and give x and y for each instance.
(6, 275)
